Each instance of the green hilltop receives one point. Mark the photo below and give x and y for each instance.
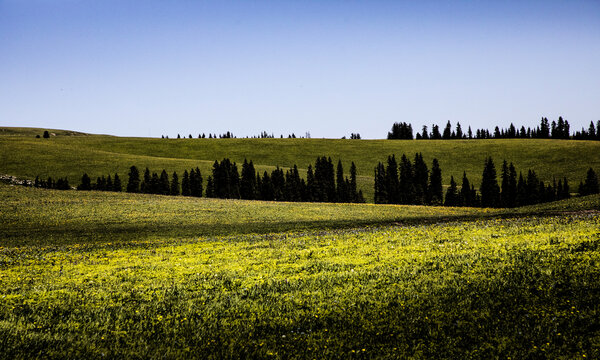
(70, 153)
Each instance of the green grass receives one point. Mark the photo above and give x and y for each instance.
(97, 275)
(27, 157)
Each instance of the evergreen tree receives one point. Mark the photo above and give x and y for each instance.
(466, 197)
(490, 191)
(145, 186)
(310, 184)
(248, 181)
(459, 133)
(353, 192)
(421, 175)
(210, 187)
(154, 187)
(522, 196)
(133, 185)
(435, 184)
(86, 183)
(117, 183)
(392, 183)
(447, 131)
(435, 132)
(109, 184)
(406, 186)
(174, 184)
(381, 194)
(267, 191)
(565, 192)
(185, 184)
(195, 182)
(452, 194)
(590, 185)
(341, 192)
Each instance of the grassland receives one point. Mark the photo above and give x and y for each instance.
(70, 155)
(96, 275)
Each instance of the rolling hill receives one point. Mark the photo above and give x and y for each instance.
(71, 154)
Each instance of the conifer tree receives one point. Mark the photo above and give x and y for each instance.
(353, 192)
(590, 185)
(310, 184)
(406, 193)
(86, 182)
(174, 184)
(341, 191)
(117, 183)
(447, 131)
(154, 187)
(451, 194)
(185, 184)
(522, 196)
(490, 191)
(248, 181)
(435, 184)
(381, 194)
(566, 191)
(466, 197)
(435, 132)
(421, 175)
(133, 184)
(210, 187)
(267, 192)
(145, 186)
(392, 181)
(109, 184)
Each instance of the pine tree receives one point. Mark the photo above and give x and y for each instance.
(154, 187)
(145, 186)
(210, 187)
(420, 177)
(451, 194)
(406, 186)
(353, 192)
(465, 197)
(310, 184)
(435, 184)
(133, 185)
(117, 183)
(590, 185)
(86, 183)
(341, 192)
(392, 182)
(185, 184)
(447, 131)
(490, 191)
(174, 184)
(381, 194)
(248, 181)
(109, 184)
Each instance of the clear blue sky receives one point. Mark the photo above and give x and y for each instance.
(146, 68)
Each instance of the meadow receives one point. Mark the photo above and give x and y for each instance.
(97, 275)
(71, 154)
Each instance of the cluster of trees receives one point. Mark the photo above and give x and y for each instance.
(408, 183)
(229, 135)
(58, 184)
(102, 183)
(556, 130)
(322, 184)
(512, 192)
(590, 185)
(405, 182)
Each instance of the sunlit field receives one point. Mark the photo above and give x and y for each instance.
(118, 275)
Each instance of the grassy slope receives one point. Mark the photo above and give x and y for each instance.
(90, 275)
(100, 154)
(32, 216)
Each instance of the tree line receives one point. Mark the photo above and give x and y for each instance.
(412, 183)
(324, 183)
(403, 182)
(556, 130)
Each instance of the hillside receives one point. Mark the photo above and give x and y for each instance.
(25, 156)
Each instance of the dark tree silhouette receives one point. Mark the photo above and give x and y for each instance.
(133, 185)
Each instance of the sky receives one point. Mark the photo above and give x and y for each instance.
(330, 68)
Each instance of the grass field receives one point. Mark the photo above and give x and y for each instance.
(97, 275)
(68, 154)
